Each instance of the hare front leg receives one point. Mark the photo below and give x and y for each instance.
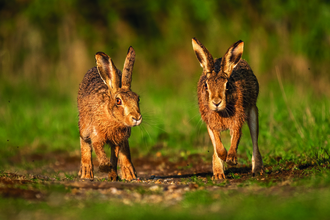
(253, 123)
(232, 153)
(114, 159)
(105, 165)
(86, 167)
(219, 155)
(126, 166)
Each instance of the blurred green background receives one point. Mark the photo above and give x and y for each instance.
(46, 47)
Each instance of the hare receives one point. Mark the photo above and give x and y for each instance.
(107, 111)
(227, 96)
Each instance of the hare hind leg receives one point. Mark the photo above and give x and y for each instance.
(86, 167)
(253, 123)
(127, 169)
(219, 155)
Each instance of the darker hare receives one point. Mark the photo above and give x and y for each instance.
(227, 96)
(107, 111)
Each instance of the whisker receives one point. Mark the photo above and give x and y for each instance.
(200, 123)
(143, 136)
(148, 113)
(141, 131)
(152, 123)
(155, 127)
(227, 111)
(146, 131)
(193, 117)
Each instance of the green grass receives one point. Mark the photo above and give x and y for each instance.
(36, 121)
(41, 121)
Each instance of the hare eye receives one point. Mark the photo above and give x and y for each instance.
(205, 86)
(118, 101)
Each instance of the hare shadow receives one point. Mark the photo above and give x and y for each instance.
(240, 170)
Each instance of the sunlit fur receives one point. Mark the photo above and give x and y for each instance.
(227, 95)
(102, 120)
(216, 88)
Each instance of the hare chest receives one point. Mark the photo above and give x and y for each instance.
(220, 122)
(110, 132)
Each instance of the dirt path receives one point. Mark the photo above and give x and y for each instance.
(160, 179)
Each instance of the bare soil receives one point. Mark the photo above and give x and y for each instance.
(159, 178)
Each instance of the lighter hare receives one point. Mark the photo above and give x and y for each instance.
(227, 96)
(107, 111)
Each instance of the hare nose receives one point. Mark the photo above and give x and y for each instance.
(137, 121)
(216, 104)
(134, 119)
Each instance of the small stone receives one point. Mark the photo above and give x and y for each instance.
(74, 191)
(193, 186)
(172, 187)
(154, 188)
(113, 190)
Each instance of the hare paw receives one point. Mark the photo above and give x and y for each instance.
(258, 169)
(258, 172)
(86, 171)
(105, 166)
(218, 172)
(128, 172)
(257, 165)
(112, 176)
(231, 159)
(218, 176)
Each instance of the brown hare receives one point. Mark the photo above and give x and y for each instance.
(107, 111)
(227, 96)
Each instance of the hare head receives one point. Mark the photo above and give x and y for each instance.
(216, 80)
(123, 103)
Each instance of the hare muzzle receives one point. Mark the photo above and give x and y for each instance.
(132, 116)
(217, 103)
(136, 121)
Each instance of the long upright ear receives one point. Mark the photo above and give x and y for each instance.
(203, 55)
(107, 71)
(232, 57)
(128, 68)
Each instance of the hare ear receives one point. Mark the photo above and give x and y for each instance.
(203, 55)
(107, 71)
(128, 68)
(232, 57)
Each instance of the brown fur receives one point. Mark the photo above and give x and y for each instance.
(227, 96)
(102, 120)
